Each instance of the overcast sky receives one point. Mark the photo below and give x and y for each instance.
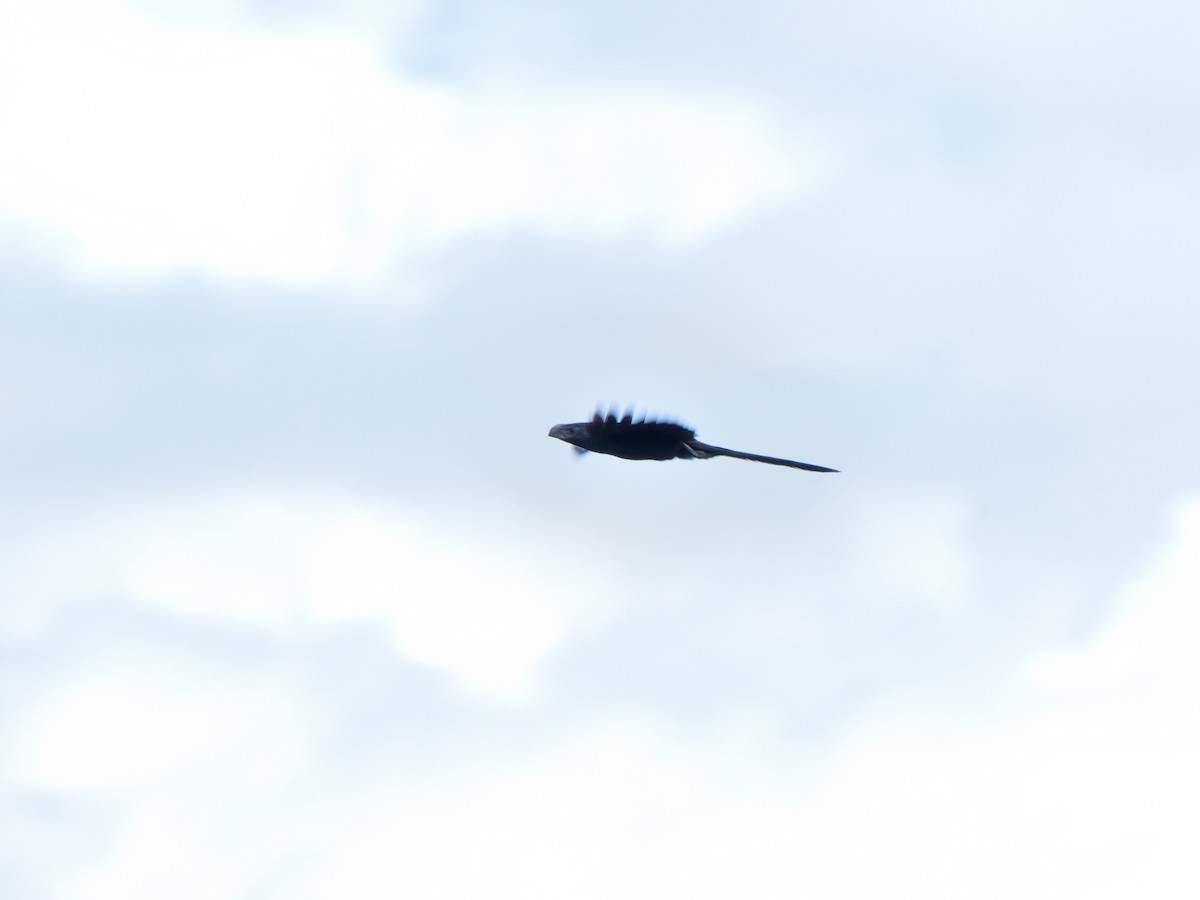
(298, 600)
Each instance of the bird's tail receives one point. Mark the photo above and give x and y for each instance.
(704, 451)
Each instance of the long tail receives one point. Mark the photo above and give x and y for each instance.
(704, 451)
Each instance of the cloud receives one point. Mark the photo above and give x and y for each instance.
(1147, 658)
(144, 722)
(464, 599)
(1073, 775)
(144, 147)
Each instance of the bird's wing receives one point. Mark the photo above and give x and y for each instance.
(628, 425)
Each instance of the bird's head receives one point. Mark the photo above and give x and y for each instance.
(574, 433)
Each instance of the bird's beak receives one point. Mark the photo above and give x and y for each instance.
(557, 432)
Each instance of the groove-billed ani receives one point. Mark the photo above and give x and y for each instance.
(652, 440)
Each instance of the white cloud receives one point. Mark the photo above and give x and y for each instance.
(454, 596)
(1148, 658)
(1079, 779)
(919, 550)
(1075, 779)
(145, 147)
(123, 726)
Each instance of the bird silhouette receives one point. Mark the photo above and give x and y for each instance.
(650, 439)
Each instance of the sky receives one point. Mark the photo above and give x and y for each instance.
(298, 600)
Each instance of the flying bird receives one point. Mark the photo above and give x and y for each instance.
(649, 439)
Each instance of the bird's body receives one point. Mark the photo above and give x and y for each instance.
(648, 439)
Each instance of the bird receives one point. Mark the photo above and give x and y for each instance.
(652, 439)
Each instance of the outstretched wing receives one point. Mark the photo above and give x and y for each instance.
(627, 425)
(638, 439)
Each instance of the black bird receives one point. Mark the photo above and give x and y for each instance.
(648, 439)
